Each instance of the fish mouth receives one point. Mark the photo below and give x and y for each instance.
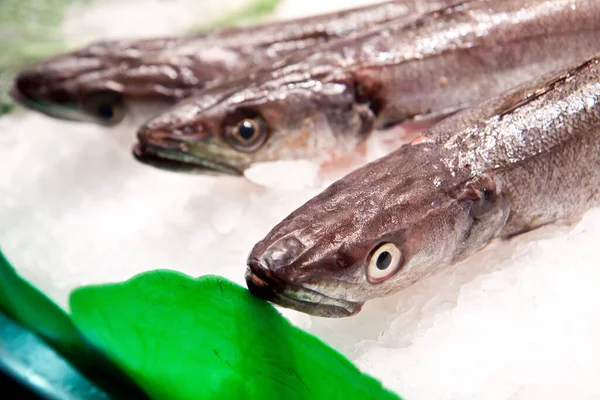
(64, 112)
(262, 283)
(168, 158)
(17, 95)
(20, 98)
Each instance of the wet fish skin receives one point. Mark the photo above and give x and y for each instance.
(527, 158)
(412, 68)
(103, 81)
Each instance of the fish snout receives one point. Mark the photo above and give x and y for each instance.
(31, 88)
(261, 281)
(280, 255)
(151, 144)
(158, 138)
(270, 265)
(267, 285)
(155, 131)
(26, 86)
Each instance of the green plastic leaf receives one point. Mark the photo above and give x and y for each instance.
(208, 338)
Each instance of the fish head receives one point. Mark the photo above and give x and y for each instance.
(55, 87)
(373, 233)
(102, 83)
(232, 126)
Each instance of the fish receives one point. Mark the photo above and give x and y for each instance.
(409, 70)
(524, 159)
(107, 80)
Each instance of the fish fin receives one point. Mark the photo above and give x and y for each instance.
(488, 210)
(542, 86)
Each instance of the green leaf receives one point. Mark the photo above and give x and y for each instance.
(208, 338)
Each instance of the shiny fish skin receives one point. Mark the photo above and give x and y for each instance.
(421, 68)
(519, 161)
(158, 72)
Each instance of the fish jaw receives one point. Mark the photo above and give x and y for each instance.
(191, 158)
(66, 110)
(261, 283)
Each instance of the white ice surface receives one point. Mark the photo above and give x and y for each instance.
(517, 321)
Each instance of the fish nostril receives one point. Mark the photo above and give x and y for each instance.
(153, 124)
(146, 135)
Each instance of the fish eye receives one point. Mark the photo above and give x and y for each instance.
(383, 262)
(247, 134)
(106, 105)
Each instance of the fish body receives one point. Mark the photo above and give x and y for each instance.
(524, 159)
(421, 68)
(106, 80)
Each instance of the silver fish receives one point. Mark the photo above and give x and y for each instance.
(108, 80)
(524, 159)
(421, 68)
